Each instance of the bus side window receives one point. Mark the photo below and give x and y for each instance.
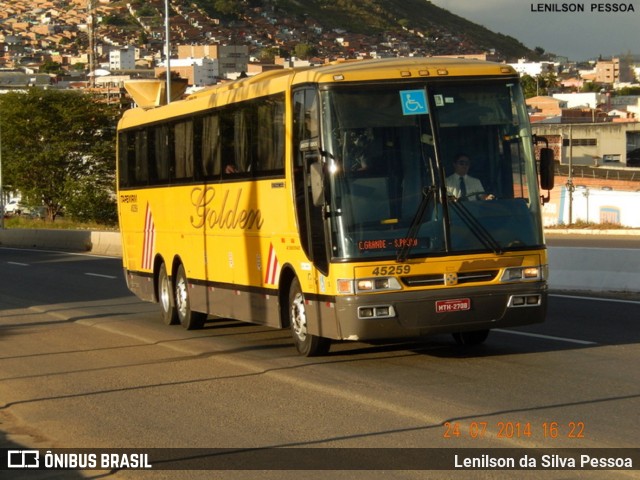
(241, 145)
(211, 145)
(162, 158)
(269, 136)
(127, 158)
(227, 142)
(183, 152)
(141, 173)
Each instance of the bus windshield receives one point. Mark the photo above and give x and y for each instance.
(396, 154)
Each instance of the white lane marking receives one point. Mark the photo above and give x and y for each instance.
(601, 299)
(546, 337)
(19, 264)
(110, 277)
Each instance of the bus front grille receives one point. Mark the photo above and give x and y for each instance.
(435, 280)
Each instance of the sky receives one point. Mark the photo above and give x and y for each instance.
(577, 35)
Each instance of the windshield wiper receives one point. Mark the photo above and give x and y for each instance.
(475, 227)
(414, 228)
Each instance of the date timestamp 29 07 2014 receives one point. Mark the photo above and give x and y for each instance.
(510, 429)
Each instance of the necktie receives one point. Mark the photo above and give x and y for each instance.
(463, 189)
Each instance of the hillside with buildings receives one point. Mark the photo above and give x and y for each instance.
(590, 111)
(33, 32)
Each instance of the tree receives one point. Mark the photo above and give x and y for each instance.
(227, 7)
(269, 54)
(56, 146)
(51, 67)
(304, 51)
(542, 84)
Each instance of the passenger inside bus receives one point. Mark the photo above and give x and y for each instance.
(364, 151)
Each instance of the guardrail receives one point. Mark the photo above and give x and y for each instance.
(571, 268)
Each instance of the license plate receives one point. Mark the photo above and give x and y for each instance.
(453, 305)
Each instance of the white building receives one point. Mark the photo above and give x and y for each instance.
(584, 100)
(198, 71)
(122, 59)
(533, 69)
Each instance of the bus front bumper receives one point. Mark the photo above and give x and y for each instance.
(411, 314)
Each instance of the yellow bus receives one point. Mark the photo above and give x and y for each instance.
(325, 200)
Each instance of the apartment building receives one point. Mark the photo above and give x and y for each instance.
(199, 72)
(231, 58)
(613, 71)
(122, 59)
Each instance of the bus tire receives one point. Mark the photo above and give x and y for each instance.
(470, 339)
(165, 294)
(188, 319)
(307, 344)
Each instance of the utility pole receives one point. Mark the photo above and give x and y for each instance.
(167, 41)
(92, 79)
(570, 186)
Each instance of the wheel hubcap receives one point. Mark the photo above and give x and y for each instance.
(165, 298)
(181, 298)
(299, 317)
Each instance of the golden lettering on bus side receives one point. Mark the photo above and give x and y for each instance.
(228, 215)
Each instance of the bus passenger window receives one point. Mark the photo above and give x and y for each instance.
(162, 154)
(127, 155)
(183, 142)
(211, 147)
(242, 148)
(270, 137)
(227, 142)
(141, 160)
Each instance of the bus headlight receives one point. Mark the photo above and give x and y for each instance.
(522, 274)
(377, 284)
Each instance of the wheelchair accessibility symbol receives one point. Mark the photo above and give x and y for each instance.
(414, 102)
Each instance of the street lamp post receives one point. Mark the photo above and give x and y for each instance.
(586, 197)
(570, 186)
(168, 47)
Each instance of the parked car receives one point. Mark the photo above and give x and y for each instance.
(14, 207)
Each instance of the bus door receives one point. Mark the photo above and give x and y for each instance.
(310, 215)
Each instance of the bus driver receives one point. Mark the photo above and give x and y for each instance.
(463, 186)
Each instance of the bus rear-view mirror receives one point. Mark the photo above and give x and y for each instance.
(546, 168)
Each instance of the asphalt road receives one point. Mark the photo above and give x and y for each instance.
(85, 364)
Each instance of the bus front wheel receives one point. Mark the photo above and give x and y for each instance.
(307, 344)
(188, 319)
(165, 292)
(469, 339)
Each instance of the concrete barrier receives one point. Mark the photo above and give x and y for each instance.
(99, 243)
(594, 269)
(570, 268)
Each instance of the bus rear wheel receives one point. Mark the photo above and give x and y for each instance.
(307, 344)
(188, 319)
(469, 339)
(165, 292)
